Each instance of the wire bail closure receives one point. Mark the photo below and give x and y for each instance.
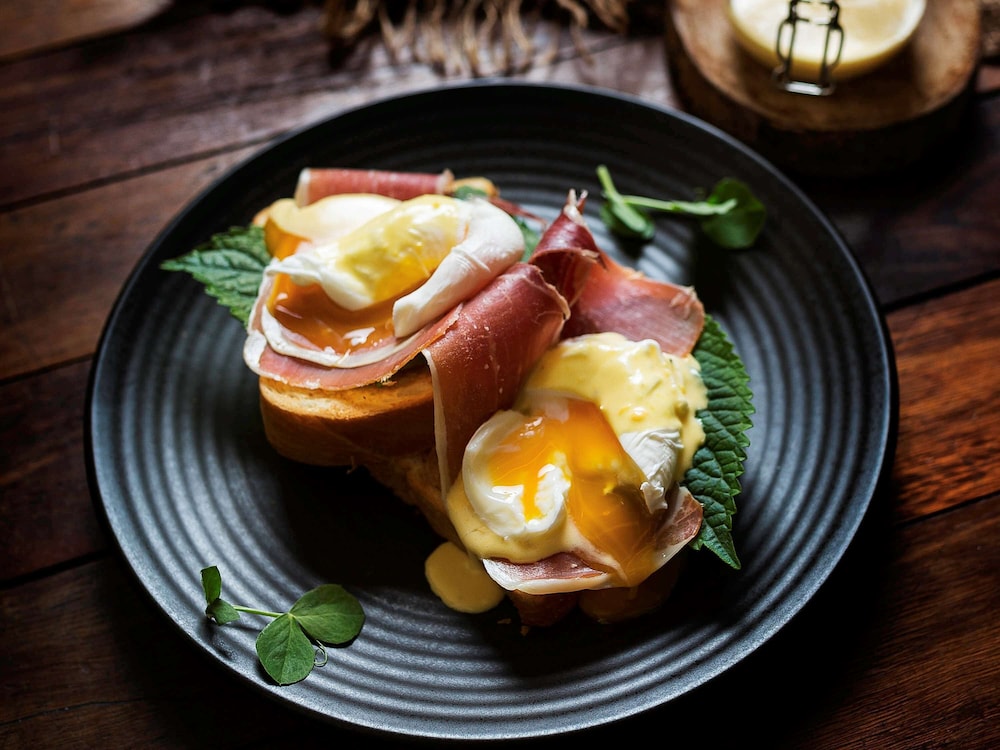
(822, 13)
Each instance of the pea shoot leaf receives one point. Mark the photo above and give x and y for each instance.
(739, 226)
(329, 614)
(211, 582)
(218, 609)
(731, 215)
(287, 647)
(284, 650)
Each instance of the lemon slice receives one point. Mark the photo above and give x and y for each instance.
(873, 31)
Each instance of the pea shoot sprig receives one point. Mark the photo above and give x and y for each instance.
(294, 641)
(730, 215)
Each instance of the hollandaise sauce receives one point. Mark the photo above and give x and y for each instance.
(460, 581)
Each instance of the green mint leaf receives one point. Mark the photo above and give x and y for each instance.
(329, 614)
(715, 472)
(285, 652)
(211, 582)
(737, 227)
(222, 611)
(230, 266)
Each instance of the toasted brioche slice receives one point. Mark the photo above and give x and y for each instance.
(359, 426)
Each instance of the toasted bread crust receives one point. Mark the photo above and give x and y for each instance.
(351, 427)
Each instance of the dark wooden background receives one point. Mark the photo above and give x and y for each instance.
(110, 125)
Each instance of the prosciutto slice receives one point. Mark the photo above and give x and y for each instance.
(315, 183)
(569, 571)
(613, 297)
(561, 572)
(266, 362)
(478, 365)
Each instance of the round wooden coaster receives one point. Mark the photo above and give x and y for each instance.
(875, 123)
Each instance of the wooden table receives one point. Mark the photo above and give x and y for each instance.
(104, 138)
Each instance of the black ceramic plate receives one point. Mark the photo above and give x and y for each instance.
(186, 479)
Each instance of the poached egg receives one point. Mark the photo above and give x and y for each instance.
(352, 271)
(587, 462)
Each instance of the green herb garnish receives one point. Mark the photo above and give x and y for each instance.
(230, 266)
(731, 216)
(293, 642)
(714, 475)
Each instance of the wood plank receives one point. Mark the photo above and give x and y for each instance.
(93, 664)
(93, 659)
(899, 650)
(177, 98)
(63, 263)
(946, 350)
(46, 513)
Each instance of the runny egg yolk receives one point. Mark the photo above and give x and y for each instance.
(314, 320)
(602, 497)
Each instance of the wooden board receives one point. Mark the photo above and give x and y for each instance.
(874, 123)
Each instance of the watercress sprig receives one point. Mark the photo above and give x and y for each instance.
(294, 641)
(731, 215)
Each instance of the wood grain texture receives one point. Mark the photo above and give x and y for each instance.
(194, 84)
(45, 513)
(63, 262)
(945, 349)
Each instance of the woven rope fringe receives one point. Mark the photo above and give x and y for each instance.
(479, 37)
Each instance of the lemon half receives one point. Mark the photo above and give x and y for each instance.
(873, 31)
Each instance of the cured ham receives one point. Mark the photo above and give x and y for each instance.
(478, 366)
(613, 297)
(562, 566)
(566, 571)
(315, 183)
(261, 357)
